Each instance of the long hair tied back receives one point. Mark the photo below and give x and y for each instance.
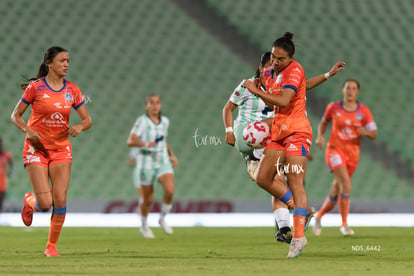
(50, 54)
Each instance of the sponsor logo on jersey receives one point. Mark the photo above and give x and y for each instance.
(159, 139)
(56, 116)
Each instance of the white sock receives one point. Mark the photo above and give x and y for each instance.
(282, 217)
(165, 209)
(258, 153)
(143, 221)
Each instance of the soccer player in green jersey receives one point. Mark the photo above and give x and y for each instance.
(154, 161)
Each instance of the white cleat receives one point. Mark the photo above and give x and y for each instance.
(253, 169)
(146, 232)
(167, 229)
(296, 247)
(346, 230)
(317, 228)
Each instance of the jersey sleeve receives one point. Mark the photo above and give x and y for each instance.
(369, 122)
(239, 95)
(79, 99)
(29, 94)
(138, 127)
(328, 112)
(293, 79)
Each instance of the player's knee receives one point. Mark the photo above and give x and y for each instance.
(263, 181)
(147, 202)
(45, 206)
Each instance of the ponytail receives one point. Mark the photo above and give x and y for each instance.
(50, 54)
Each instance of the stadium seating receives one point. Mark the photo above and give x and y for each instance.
(121, 51)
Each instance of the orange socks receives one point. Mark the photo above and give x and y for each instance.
(299, 215)
(287, 198)
(56, 224)
(327, 206)
(343, 202)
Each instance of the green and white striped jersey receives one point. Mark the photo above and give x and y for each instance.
(148, 131)
(250, 107)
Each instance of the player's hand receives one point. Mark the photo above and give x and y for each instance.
(150, 144)
(320, 141)
(251, 86)
(258, 83)
(75, 130)
(230, 139)
(32, 135)
(174, 161)
(363, 131)
(310, 156)
(336, 68)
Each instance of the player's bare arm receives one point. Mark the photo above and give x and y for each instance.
(315, 81)
(227, 119)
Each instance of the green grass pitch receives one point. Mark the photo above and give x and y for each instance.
(206, 251)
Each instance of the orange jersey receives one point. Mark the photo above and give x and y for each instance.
(5, 158)
(293, 117)
(344, 134)
(51, 110)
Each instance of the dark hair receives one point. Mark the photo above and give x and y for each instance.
(50, 54)
(352, 80)
(263, 60)
(285, 42)
(147, 98)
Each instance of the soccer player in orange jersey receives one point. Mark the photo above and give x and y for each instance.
(6, 170)
(350, 121)
(47, 152)
(285, 85)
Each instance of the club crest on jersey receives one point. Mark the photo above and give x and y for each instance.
(279, 79)
(359, 116)
(68, 97)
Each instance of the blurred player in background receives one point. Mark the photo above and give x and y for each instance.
(6, 170)
(154, 161)
(350, 121)
(47, 152)
(253, 108)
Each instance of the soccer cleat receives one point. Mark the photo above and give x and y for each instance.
(309, 215)
(27, 211)
(253, 169)
(284, 235)
(317, 228)
(146, 232)
(167, 229)
(296, 247)
(346, 230)
(51, 252)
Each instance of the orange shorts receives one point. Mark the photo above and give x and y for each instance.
(46, 157)
(335, 158)
(296, 144)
